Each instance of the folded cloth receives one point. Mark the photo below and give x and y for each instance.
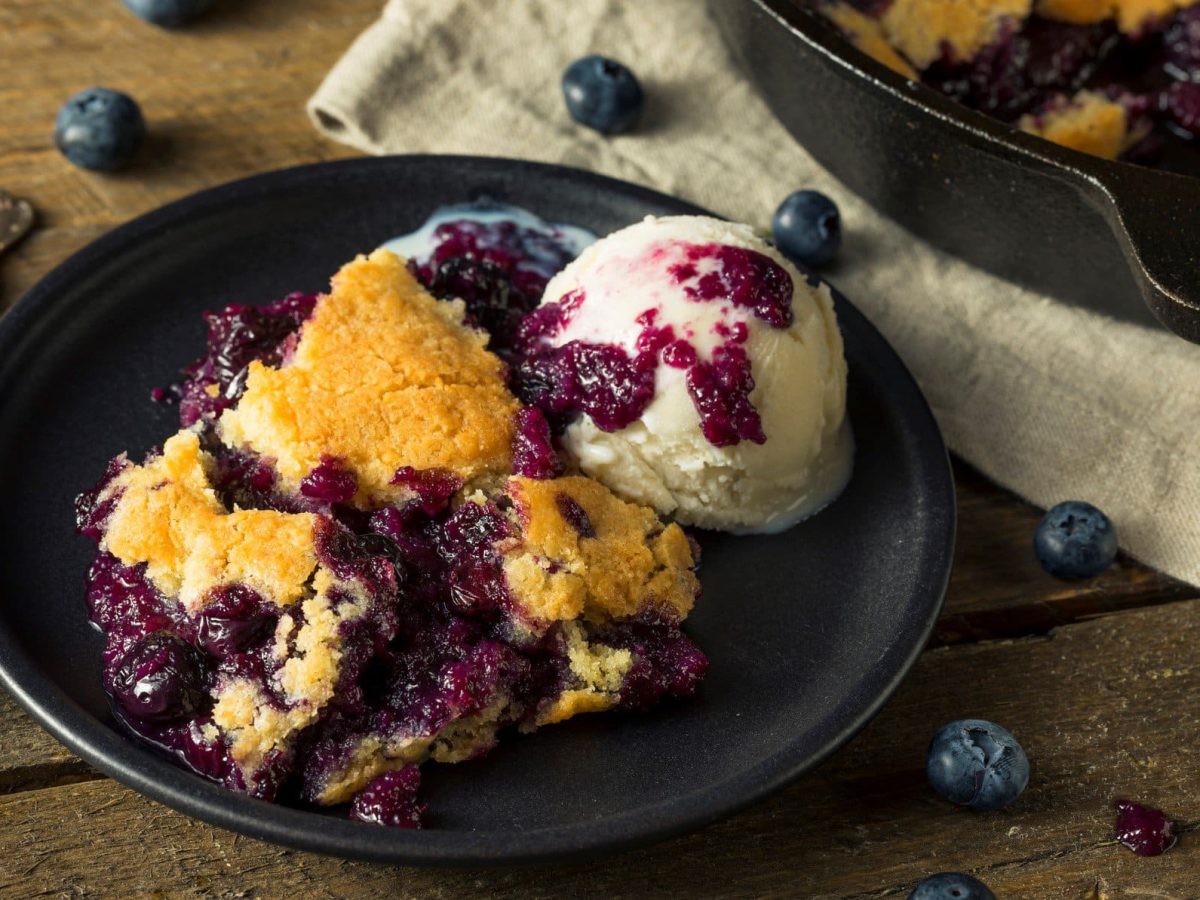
(1052, 401)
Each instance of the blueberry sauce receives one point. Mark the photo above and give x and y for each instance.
(601, 380)
(233, 620)
(160, 678)
(721, 391)
(614, 387)
(533, 450)
(391, 799)
(1145, 831)
(432, 488)
(331, 481)
(745, 278)
(526, 248)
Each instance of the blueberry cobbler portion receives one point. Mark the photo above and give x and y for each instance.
(361, 552)
(1114, 78)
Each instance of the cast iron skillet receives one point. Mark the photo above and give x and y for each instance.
(1115, 237)
(808, 631)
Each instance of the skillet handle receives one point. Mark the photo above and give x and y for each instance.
(1157, 223)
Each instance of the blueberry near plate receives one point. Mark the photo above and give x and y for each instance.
(84, 348)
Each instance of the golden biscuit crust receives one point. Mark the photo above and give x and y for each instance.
(866, 33)
(920, 29)
(633, 562)
(383, 376)
(1090, 123)
(168, 517)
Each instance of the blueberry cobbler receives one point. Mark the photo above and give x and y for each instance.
(372, 545)
(1114, 78)
(356, 556)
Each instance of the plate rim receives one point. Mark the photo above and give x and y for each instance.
(184, 792)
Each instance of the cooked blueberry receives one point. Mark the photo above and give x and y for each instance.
(808, 228)
(391, 799)
(977, 764)
(234, 618)
(1075, 540)
(331, 481)
(533, 451)
(99, 129)
(575, 515)
(161, 679)
(951, 886)
(168, 13)
(602, 94)
(1144, 830)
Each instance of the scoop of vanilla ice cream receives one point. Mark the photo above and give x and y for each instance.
(691, 274)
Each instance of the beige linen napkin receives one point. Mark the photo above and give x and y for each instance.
(1054, 402)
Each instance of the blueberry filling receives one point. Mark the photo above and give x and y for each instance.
(330, 482)
(160, 678)
(575, 515)
(391, 799)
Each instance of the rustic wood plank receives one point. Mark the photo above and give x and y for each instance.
(30, 758)
(1115, 717)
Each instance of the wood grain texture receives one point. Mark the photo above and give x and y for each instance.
(29, 757)
(1114, 716)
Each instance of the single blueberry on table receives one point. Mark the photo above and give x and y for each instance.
(808, 228)
(168, 13)
(99, 129)
(602, 94)
(977, 764)
(1075, 540)
(951, 886)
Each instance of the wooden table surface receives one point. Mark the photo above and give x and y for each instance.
(1097, 679)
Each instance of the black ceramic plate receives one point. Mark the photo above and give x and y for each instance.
(808, 631)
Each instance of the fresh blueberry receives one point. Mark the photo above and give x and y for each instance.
(951, 886)
(808, 228)
(99, 129)
(977, 764)
(160, 678)
(602, 94)
(1075, 540)
(168, 13)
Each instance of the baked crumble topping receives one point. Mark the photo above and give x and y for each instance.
(1089, 122)
(383, 376)
(923, 30)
